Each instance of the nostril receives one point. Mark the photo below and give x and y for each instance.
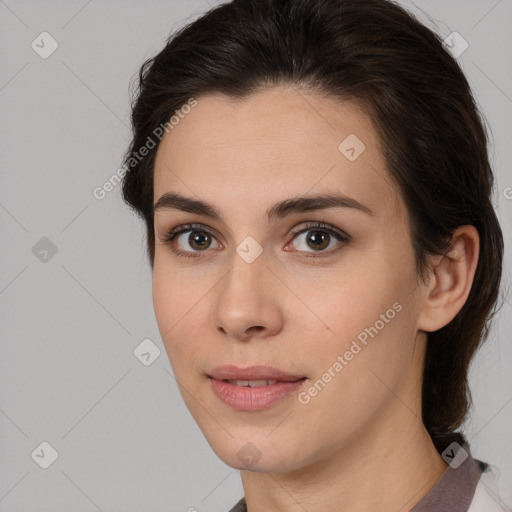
(252, 331)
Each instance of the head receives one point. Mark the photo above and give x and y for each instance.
(275, 101)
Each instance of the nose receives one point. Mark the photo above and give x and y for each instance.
(249, 301)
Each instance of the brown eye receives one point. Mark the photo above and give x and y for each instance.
(318, 240)
(319, 237)
(199, 240)
(189, 240)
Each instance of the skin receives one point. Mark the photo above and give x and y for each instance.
(359, 444)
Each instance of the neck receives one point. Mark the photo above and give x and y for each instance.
(391, 468)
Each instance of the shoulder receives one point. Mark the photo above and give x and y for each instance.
(486, 497)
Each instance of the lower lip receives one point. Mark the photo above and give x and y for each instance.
(244, 398)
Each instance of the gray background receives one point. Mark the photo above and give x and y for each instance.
(68, 375)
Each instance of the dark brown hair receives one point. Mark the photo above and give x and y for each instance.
(431, 133)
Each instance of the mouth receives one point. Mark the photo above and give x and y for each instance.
(247, 398)
(254, 388)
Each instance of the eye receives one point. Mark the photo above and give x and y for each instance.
(195, 236)
(320, 237)
(192, 239)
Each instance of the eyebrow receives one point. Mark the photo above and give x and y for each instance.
(174, 201)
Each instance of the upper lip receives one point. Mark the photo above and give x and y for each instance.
(231, 372)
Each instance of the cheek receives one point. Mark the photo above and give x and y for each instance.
(176, 294)
(353, 379)
(367, 316)
(175, 305)
(165, 301)
(344, 301)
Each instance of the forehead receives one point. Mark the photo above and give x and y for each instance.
(273, 118)
(277, 142)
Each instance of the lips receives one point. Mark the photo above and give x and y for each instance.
(254, 388)
(252, 373)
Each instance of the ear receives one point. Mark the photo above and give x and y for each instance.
(449, 284)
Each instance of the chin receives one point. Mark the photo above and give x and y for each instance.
(258, 454)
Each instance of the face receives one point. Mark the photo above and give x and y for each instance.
(325, 292)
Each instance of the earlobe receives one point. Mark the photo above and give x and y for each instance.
(451, 280)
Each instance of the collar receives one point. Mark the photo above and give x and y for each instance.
(454, 491)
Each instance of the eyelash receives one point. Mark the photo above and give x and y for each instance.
(339, 235)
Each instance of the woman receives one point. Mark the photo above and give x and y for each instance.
(326, 257)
